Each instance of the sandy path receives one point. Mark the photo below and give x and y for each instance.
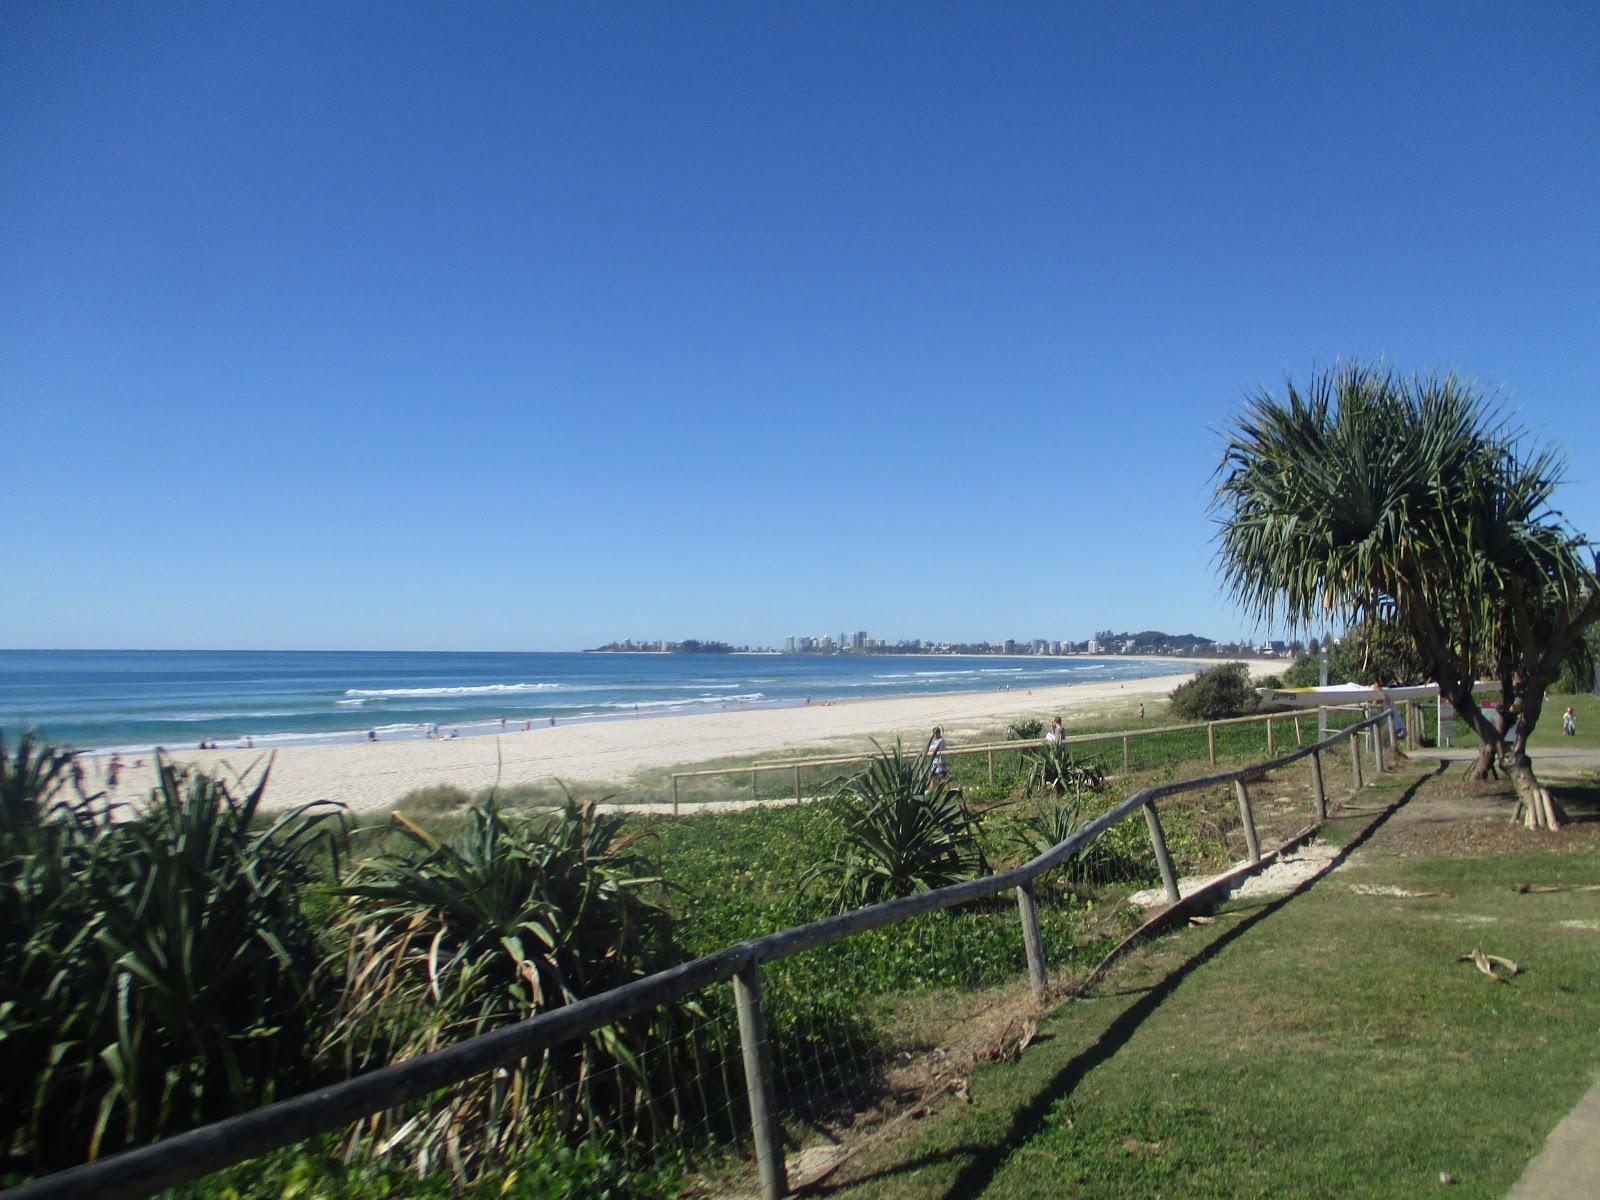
(370, 777)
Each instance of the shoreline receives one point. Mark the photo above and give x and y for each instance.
(372, 777)
(484, 726)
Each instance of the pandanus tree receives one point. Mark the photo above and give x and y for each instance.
(1367, 497)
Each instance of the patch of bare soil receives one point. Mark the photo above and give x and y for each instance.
(1453, 816)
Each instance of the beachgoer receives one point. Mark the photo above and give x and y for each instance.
(936, 750)
(249, 744)
(1141, 712)
(552, 722)
(1569, 722)
(1055, 733)
(527, 727)
(372, 735)
(113, 769)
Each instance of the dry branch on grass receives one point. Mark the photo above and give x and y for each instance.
(1488, 962)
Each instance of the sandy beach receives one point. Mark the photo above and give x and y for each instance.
(371, 777)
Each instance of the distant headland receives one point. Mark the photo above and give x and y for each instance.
(687, 646)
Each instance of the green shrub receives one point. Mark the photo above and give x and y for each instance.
(1118, 855)
(901, 831)
(1029, 729)
(1053, 768)
(513, 917)
(1221, 691)
(155, 972)
(598, 1168)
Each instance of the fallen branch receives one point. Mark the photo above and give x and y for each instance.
(1488, 962)
(1522, 889)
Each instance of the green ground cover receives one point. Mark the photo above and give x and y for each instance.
(1585, 708)
(1325, 1043)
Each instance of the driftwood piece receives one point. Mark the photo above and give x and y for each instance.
(1487, 963)
(1522, 889)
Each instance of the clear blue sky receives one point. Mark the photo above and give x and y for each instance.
(528, 326)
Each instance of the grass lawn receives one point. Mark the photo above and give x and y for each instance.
(1548, 733)
(1323, 1043)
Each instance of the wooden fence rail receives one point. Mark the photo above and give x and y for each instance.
(795, 765)
(140, 1172)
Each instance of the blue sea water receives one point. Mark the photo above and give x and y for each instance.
(135, 699)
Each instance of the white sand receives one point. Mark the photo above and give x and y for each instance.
(372, 777)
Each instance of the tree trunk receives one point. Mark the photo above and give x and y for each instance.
(1536, 807)
(1483, 766)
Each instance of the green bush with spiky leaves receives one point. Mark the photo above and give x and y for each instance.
(1029, 729)
(1118, 855)
(1053, 769)
(901, 830)
(155, 970)
(517, 915)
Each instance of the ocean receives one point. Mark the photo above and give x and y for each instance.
(137, 699)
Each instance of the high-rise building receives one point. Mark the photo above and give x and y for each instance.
(788, 645)
(859, 641)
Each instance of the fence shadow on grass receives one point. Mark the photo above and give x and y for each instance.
(1029, 1119)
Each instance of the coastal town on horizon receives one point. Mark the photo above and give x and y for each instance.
(1104, 643)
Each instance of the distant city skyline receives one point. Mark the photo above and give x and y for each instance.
(360, 326)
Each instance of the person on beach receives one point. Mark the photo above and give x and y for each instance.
(936, 750)
(1141, 711)
(113, 769)
(1569, 722)
(372, 735)
(1057, 732)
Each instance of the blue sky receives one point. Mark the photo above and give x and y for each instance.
(525, 327)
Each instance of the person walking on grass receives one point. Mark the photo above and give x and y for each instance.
(936, 750)
(1569, 722)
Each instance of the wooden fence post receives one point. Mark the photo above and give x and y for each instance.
(758, 1081)
(1355, 762)
(1319, 798)
(797, 784)
(1269, 738)
(1211, 742)
(1298, 739)
(674, 795)
(1030, 938)
(1158, 843)
(991, 766)
(754, 794)
(1375, 740)
(1248, 820)
(1126, 760)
